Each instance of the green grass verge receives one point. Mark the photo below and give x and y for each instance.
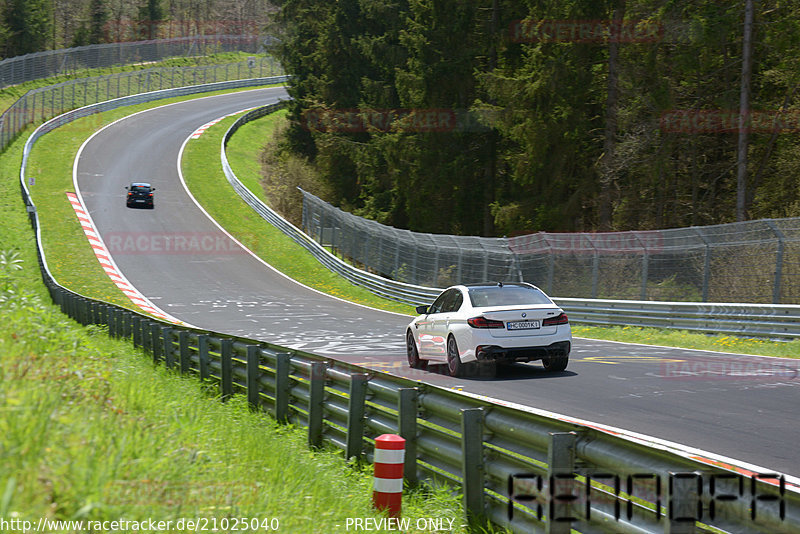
(203, 174)
(690, 340)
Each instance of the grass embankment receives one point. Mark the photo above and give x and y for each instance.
(204, 174)
(91, 430)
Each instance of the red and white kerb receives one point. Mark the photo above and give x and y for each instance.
(387, 492)
(108, 265)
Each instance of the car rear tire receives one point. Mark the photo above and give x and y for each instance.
(555, 363)
(454, 365)
(414, 360)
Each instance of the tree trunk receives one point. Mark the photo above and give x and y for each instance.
(744, 113)
(607, 165)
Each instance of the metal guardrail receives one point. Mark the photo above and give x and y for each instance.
(516, 467)
(762, 320)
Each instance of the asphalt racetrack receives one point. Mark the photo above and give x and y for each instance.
(742, 407)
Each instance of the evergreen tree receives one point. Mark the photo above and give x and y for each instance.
(28, 23)
(98, 21)
(151, 15)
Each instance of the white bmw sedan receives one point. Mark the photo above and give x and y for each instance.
(490, 323)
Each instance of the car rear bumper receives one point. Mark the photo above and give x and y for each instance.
(521, 354)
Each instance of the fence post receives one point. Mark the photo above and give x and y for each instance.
(472, 463)
(253, 374)
(407, 428)
(147, 339)
(226, 369)
(111, 321)
(706, 263)
(595, 266)
(183, 341)
(282, 369)
(776, 289)
(127, 324)
(169, 353)
(137, 331)
(355, 415)
(155, 334)
(315, 403)
(202, 356)
(561, 473)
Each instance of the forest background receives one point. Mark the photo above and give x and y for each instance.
(500, 117)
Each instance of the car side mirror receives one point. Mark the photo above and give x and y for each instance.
(126, 188)
(422, 310)
(152, 189)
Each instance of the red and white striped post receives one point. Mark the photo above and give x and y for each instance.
(390, 450)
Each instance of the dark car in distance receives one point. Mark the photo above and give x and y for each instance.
(140, 194)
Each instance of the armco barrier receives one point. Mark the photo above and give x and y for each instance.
(516, 467)
(761, 320)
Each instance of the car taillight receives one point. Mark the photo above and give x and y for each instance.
(483, 322)
(552, 321)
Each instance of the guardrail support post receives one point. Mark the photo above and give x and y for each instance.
(407, 428)
(183, 341)
(147, 339)
(472, 463)
(355, 415)
(111, 321)
(226, 369)
(253, 374)
(169, 352)
(776, 288)
(155, 337)
(282, 369)
(202, 356)
(683, 502)
(137, 331)
(561, 476)
(126, 322)
(315, 403)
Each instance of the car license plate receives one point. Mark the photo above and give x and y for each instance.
(139, 200)
(522, 325)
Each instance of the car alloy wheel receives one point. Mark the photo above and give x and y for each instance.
(454, 365)
(414, 360)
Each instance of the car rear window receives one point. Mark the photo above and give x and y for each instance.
(508, 295)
